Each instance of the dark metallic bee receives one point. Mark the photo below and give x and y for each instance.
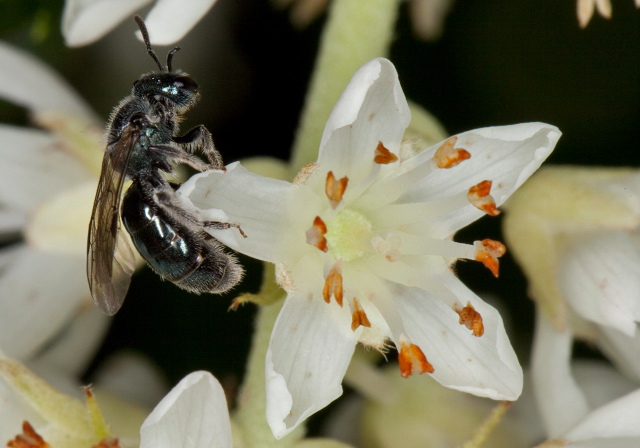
(142, 143)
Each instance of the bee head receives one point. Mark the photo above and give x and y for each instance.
(176, 87)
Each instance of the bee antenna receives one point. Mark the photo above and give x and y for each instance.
(145, 37)
(170, 57)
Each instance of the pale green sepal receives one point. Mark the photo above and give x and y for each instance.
(268, 167)
(424, 127)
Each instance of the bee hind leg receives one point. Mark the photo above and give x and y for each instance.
(223, 225)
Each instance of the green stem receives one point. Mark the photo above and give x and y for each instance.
(356, 32)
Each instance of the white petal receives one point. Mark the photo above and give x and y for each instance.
(86, 21)
(77, 343)
(26, 81)
(193, 414)
(505, 155)
(39, 292)
(170, 20)
(132, 375)
(371, 109)
(623, 350)
(309, 352)
(33, 168)
(560, 400)
(616, 419)
(599, 274)
(262, 206)
(485, 366)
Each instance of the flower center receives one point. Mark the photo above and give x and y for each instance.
(348, 234)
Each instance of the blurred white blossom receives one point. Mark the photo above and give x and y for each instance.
(168, 21)
(574, 232)
(48, 177)
(362, 241)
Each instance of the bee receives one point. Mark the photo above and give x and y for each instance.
(142, 144)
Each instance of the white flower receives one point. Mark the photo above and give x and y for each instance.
(586, 8)
(363, 244)
(47, 184)
(574, 232)
(194, 414)
(86, 21)
(613, 425)
(427, 16)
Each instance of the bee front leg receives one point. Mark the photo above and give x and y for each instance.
(199, 139)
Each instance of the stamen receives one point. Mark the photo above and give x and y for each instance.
(447, 156)
(471, 319)
(481, 199)
(487, 252)
(383, 156)
(334, 189)
(315, 234)
(359, 317)
(333, 284)
(28, 439)
(412, 360)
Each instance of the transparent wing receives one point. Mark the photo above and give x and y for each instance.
(110, 260)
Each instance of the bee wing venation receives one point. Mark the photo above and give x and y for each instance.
(110, 260)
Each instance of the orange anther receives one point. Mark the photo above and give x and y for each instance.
(383, 156)
(471, 319)
(412, 360)
(334, 189)
(315, 234)
(487, 252)
(480, 198)
(333, 284)
(108, 443)
(447, 156)
(28, 439)
(359, 317)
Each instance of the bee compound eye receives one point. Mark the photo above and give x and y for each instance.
(186, 83)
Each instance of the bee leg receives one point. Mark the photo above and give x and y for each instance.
(199, 139)
(177, 155)
(223, 225)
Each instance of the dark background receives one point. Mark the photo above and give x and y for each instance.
(496, 63)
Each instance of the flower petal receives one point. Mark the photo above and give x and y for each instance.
(618, 418)
(31, 312)
(599, 274)
(371, 109)
(170, 20)
(505, 155)
(194, 413)
(309, 352)
(26, 81)
(32, 167)
(560, 400)
(86, 21)
(262, 206)
(623, 350)
(485, 366)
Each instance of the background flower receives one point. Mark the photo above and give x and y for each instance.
(574, 232)
(48, 178)
(85, 21)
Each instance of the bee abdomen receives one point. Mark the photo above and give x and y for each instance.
(174, 251)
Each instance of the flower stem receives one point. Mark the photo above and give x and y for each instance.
(356, 32)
